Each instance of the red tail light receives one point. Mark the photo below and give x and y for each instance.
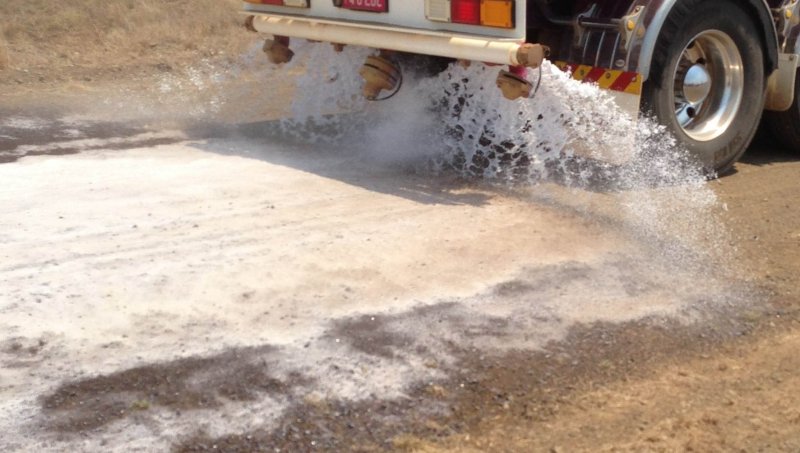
(487, 13)
(465, 11)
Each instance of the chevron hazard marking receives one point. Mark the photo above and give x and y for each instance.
(608, 79)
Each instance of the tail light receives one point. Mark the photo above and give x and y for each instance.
(465, 11)
(487, 13)
(497, 13)
(294, 3)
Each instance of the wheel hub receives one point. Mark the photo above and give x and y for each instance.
(696, 84)
(708, 85)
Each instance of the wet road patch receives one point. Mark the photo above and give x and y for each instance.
(23, 137)
(181, 385)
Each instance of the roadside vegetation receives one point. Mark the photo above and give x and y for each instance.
(3, 51)
(93, 34)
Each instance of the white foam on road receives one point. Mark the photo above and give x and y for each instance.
(22, 122)
(117, 259)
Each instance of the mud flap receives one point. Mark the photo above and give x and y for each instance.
(780, 86)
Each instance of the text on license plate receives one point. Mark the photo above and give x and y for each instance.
(380, 6)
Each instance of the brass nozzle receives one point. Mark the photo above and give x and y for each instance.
(513, 86)
(248, 23)
(379, 74)
(277, 52)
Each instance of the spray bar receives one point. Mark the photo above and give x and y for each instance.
(462, 47)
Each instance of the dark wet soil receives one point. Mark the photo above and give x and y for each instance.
(479, 385)
(181, 385)
(529, 385)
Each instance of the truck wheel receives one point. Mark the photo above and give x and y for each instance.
(707, 83)
(785, 126)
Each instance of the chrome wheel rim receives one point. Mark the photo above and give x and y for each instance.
(709, 85)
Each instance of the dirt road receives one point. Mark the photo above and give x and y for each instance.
(162, 291)
(201, 285)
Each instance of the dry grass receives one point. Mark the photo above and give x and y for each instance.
(97, 33)
(3, 51)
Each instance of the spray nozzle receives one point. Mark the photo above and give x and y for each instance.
(380, 74)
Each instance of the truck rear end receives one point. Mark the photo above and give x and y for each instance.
(705, 69)
(490, 31)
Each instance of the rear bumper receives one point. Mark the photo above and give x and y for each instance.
(458, 46)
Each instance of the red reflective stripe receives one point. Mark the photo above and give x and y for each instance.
(609, 79)
(625, 79)
(594, 75)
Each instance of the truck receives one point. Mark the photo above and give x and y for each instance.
(709, 71)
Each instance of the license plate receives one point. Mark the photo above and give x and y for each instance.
(378, 6)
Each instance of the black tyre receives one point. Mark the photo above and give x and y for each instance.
(785, 126)
(707, 82)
